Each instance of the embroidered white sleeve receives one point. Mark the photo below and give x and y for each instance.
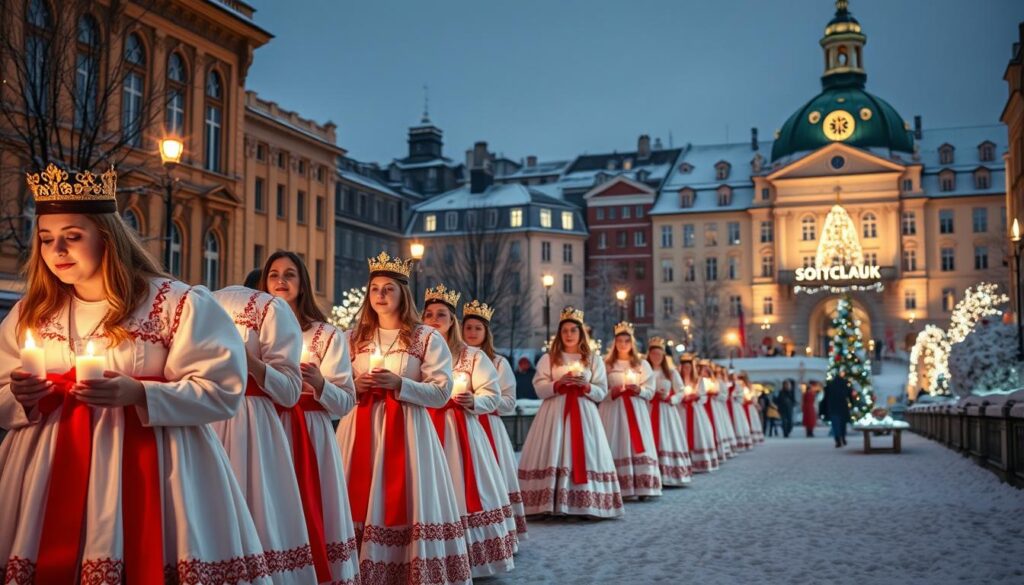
(435, 384)
(485, 384)
(339, 392)
(280, 349)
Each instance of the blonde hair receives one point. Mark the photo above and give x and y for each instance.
(557, 349)
(454, 336)
(634, 355)
(126, 268)
(487, 345)
(368, 321)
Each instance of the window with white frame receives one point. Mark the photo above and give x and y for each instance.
(666, 236)
(767, 232)
(908, 223)
(734, 268)
(567, 220)
(667, 272)
(808, 229)
(910, 299)
(909, 260)
(430, 223)
(767, 306)
(639, 306)
(668, 307)
(515, 217)
(451, 220)
(545, 217)
(869, 226)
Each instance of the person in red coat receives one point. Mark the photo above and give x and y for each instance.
(810, 414)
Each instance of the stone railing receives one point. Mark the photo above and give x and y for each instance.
(988, 429)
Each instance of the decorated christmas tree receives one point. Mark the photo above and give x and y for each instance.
(849, 356)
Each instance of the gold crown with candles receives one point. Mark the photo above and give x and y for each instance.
(624, 328)
(385, 265)
(656, 342)
(442, 294)
(53, 192)
(475, 308)
(687, 357)
(571, 314)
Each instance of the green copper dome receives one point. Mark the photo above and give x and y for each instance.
(843, 111)
(806, 129)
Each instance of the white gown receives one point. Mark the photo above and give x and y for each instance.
(699, 432)
(709, 395)
(178, 334)
(633, 448)
(669, 430)
(328, 347)
(255, 439)
(551, 482)
(754, 417)
(739, 418)
(502, 444)
(724, 418)
(403, 502)
(488, 536)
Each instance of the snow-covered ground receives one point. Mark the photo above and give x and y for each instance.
(800, 511)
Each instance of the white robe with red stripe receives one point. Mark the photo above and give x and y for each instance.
(673, 449)
(180, 334)
(637, 465)
(506, 454)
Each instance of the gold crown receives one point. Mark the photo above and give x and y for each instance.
(477, 309)
(385, 263)
(54, 193)
(656, 342)
(571, 314)
(443, 294)
(624, 327)
(687, 357)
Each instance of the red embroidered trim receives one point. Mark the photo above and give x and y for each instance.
(420, 337)
(597, 476)
(648, 481)
(52, 329)
(404, 536)
(341, 551)
(573, 499)
(673, 454)
(704, 466)
(515, 497)
(19, 571)
(102, 572)
(465, 362)
(520, 524)
(177, 317)
(450, 569)
(153, 327)
(319, 347)
(229, 572)
(635, 461)
(487, 517)
(249, 316)
(490, 551)
(676, 471)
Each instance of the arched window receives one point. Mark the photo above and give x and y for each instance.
(133, 90)
(870, 225)
(176, 257)
(214, 121)
(37, 34)
(843, 58)
(808, 229)
(87, 63)
(177, 77)
(131, 219)
(211, 261)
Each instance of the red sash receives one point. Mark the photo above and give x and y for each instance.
(732, 415)
(711, 415)
(485, 422)
(635, 438)
(746, 411)
(689, 421)
(307, 472)
(64, 514)
(473, 503)
(573, 393)
(396, 496)
(656, 418)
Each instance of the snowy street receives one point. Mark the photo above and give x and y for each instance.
(800, 511)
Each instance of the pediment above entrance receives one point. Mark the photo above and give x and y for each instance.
(858, 174)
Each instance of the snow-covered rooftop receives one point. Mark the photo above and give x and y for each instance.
(367, 182)
(505, 195)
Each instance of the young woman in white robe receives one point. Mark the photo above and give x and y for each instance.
(750, 407)
(476, 332)
(255, 439)
(566, 466)
(118, 477)
(700, 434)
(708, 390)
(626, 420)
(327, 393)
(740, 424)
(479, 487)
(666, 422)
(401, 493)
(723, 416)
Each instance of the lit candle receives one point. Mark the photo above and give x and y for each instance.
(461, 383)
(89, 366)
(33, 360)
(307, 358)
(376, 360)
(576, 368)
(631, 378)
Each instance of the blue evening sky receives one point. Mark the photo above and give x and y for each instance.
(556, 78)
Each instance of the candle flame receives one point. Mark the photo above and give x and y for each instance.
(461, 377)
(376, 351)
(89, 349)
(30, 342)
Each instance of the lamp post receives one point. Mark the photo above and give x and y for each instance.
(1017, 244)
(732, 339)
(685, 321)
(171, 149)
(416, 251)
(548, 281)
(621, 295)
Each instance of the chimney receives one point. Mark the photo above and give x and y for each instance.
(643, 147)
(481, 171)
(917, 127)
(657, 144)
(531, 161)
(753, 139)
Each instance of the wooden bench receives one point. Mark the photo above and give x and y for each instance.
(897, 438)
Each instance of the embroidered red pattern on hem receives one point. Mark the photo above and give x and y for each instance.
(635, 461)
(341, 551)
(434, 571)
(515, 497)
(19, 571)
(644, 481)
(404, 536)
(487, 517)
(495, 550)
(579, 499)
(598, 476)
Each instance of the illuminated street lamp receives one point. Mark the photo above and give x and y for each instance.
(732, 340)
(171, 149)
(548, 281)
(1017, 244)
(685, 322)
(621, 295)
(416, 251)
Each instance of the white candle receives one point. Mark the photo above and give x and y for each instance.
(306, 358)
(461, 383)
(631, 378)
(33, 360)
(376, 359)
(89, 366)
(576, 368)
